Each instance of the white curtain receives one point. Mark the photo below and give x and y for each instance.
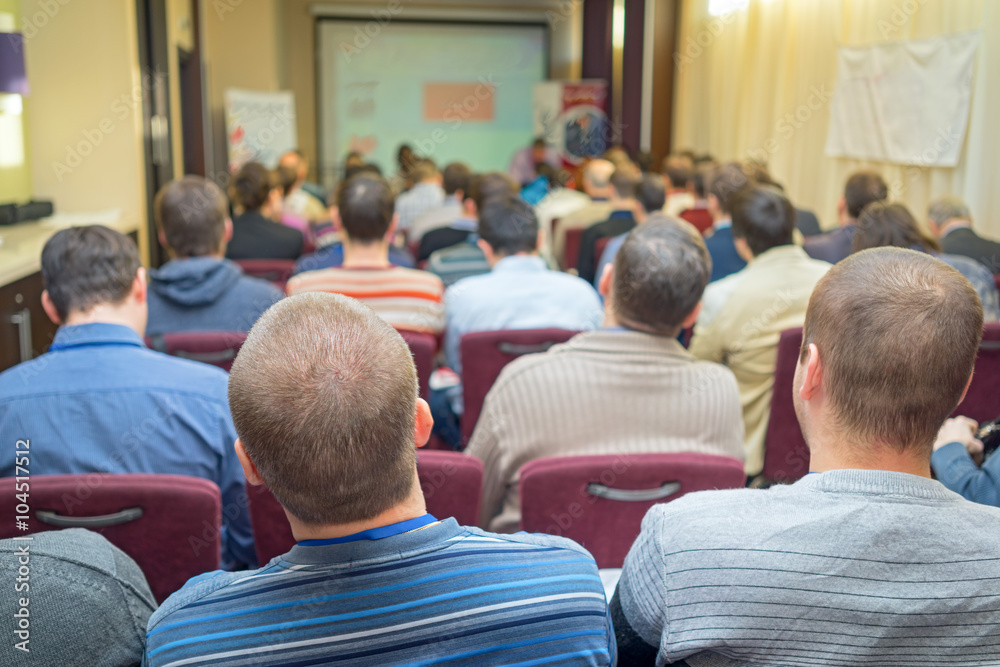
(758, 83)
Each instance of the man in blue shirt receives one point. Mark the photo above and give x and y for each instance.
(723, 183)
(373, 579)
(99, 401)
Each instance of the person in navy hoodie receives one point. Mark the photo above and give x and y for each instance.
(199, 289)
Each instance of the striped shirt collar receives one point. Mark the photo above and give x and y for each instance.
(433, 536)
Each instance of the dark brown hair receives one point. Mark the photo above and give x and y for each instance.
(365, 206)
(897, 333)
(863, 188)
(881, 224)
(252, 185)
(323, 396)
(191, 212)
(763, 217)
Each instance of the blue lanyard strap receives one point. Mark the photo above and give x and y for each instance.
(375, 533)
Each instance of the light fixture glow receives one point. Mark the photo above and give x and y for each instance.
(720, 7)
(618, 25)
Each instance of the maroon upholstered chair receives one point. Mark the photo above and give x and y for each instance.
(996, 279)
(218, 348)
(451, 482)
(699, 217)
(599, 501)
(786, 457)
(485, 353)
(982, 401)
(278, 271)
(168, 524)
(599, 247)
(571, 248)
(423, 347)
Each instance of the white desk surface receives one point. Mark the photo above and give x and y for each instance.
(21, 244)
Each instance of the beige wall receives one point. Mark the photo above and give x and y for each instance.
(85, 108)
(15, 167)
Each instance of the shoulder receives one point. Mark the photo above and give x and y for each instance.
(529, 540)
(259, 288)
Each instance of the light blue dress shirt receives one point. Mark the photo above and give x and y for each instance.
(100, 401)
(519, 293)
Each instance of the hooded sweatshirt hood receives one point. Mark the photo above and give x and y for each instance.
(195, 281)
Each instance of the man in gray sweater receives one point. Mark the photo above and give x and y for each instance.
(866, 560)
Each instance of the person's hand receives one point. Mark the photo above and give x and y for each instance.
(963, 430)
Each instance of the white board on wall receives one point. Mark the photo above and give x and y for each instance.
(904, 102)
(260, 126)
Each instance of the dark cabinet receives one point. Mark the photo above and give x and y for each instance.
(25, 329)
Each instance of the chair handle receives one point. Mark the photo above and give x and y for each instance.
(633, 495)
(103, 521)
(514, 349)
(208, 357)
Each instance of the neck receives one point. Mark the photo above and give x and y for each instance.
(952, 225)
(848, 221)
(106, 314)
(411, 508)
(370, 255)
(834, 450)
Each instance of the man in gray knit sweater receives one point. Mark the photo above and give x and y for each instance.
(866, 560)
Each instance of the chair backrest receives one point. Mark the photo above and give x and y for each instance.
(278, 271)
(699, 217)
(982, 401)
(423, 346)
(485, 353)
(451, 482)
(599, 501)
(168, 524)
(571, 248)
(786, 456)
(996, 279)
(218, 348)
(599, 246)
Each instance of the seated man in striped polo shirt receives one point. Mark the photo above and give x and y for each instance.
(324, 398)
(405, 298)
(866, 560)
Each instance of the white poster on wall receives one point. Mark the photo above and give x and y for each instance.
(904, 102)
(260, 126)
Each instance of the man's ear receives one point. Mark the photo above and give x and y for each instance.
(743, 249)
(692, 317)
(50, 308)
(812, 376)
(422, 425)
(470, 208)
(249, 469)
(227, 230)
(139, 286)
(335, 219)
(607, 278)
(966, 390)
(393, 226)
(487, 250)
(540, 241)
(162, 238)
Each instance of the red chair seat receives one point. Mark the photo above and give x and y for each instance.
(218, 348)
(600, 501)
(423, 346)
(168, 524)
(278, 271)
(786, 456)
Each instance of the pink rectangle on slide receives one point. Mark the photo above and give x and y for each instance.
(465, 101)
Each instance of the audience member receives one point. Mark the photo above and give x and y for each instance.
(76, 577)
(956, 460)
(405, 298)
(560, 201)
(622, 219)
(456, 179)
(881, 224)
(650, 197)
(624, 389)
(744, 314)
(678, 170)
(481, 188)
(255, 234)
(805, 221)
(863, 188)
(867, 560)
(198, 289)
(597, 185)
(299, 201)
(519, 292)
(951, 221)
(100, 401)
(524, 165)
(425, 195)
(373, 578)
(401, 181)
(287, 177)
(723, 182)
(698, 215)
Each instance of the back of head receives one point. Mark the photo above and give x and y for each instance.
(491, 185)
(763, 217)
(617, 155)
(651, 193)
(625, 180)
(863, 188)
(699, 180)
(679, 169)
(365, 206)
(287, 177)
(191, 212)
(423, 170)
(252, 185)
(509, 225)
(943, 210)
(597, 174)
(405, 156)
(724, 181)
(456, 177)
(897, 333)
(83, 267)
(660, 273)
(323, 396)
(369, 168)
(882, 224)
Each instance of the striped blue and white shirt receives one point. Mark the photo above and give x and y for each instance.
(441, 594)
